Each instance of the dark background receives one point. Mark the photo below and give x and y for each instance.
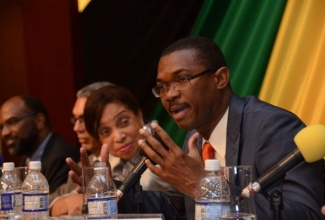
(50, 50)
(122, 42)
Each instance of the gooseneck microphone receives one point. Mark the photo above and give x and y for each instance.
(135, 174)
(132, 178)
(311, 147)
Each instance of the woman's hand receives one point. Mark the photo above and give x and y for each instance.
(67, 205)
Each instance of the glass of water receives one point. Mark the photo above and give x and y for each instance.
(241, 208)
(238, 216)
(87, 174)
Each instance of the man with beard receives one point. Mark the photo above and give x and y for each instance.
(25, 131)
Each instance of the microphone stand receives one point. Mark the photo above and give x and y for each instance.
(137, 197)
(276, 200)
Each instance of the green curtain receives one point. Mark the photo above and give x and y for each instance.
(245, 32)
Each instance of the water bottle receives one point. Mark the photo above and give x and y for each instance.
(35, 193)
(212, 194)
(18, 201)
(7, 190)
(101, 193)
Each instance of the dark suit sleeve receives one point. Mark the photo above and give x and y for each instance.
(54, 167)
(272, 139)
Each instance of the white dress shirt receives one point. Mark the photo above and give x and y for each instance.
(218, 139)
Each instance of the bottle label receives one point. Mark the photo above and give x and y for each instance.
(18, 198)
(210, 210)
(102, 206)
(35, 202)
(7, 201)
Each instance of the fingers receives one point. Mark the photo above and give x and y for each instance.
(192, 146)
(153, 155)
(156, 149)
(104, 156)
(75, 178)
(79, 189)
(164, 137)
(153, 168)
(75, 172)
(193, 149)
(104, 153)
(84, 157)
(73, 166)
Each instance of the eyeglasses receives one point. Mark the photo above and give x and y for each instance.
(181, 83)
(11, 122)
(74, 119)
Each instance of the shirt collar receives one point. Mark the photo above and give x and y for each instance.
(37, 155)
(218, 136)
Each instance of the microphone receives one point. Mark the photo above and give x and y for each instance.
(135, 174)
(132, 177)
(311, 147)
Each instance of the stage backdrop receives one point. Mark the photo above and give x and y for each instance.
(275, 50)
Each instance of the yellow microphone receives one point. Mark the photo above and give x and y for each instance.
(310, 143)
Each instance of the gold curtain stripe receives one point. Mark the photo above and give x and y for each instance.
(295, 76)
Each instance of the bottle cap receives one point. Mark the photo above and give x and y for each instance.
(100, 168)
(211, 165)
(35, 165)
(8, 166)
(100, 164)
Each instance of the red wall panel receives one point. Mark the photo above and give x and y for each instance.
(39, 56)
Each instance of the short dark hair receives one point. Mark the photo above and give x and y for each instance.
(98, 100)
(206, 51)
(36, 106)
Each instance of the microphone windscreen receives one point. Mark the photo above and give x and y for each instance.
(311, 142)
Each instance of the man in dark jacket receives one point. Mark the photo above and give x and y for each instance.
(193, 85)
(25, 130)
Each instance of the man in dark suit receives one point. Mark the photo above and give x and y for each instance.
(193, 85)
(25, 130)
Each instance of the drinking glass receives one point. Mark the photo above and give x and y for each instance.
(241, 208)
(87, 174)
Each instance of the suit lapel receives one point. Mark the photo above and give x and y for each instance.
(199, 144)
(234, 130)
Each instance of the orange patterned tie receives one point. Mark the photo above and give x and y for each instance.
(207, 151)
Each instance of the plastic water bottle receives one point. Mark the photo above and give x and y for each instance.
(101, 193)
(7, 190)
(18, 201)
(35, 192)
(212, 195)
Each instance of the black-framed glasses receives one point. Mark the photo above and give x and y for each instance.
(181, 83)
(13, 121)
(74, 119)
